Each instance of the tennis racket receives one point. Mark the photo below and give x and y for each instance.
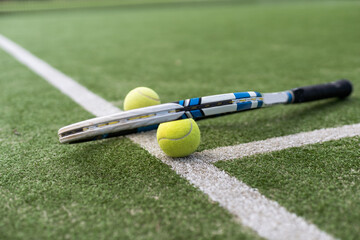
(148, 118)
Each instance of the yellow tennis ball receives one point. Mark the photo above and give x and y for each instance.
(178, 138)
(141, 97)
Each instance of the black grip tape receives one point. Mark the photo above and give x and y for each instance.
(339, 89)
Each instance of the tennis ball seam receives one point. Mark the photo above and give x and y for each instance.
(175, 139)
(155, 99)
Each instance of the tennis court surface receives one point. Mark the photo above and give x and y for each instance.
(285, 172)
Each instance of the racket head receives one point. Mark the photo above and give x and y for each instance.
(120, 122)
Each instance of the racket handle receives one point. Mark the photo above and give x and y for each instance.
(341, 89)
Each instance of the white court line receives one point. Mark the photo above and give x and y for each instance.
(85, 98)
(279, 143)
(264, 216)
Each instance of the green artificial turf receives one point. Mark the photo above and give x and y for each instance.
(97, 190)
(319, 182)
(185, 52)
(113, 188)
(16, 6)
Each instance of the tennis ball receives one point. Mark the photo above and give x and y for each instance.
(141, 97)
(178, 138)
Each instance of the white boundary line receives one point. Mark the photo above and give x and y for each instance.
(264, 216)
(85, 98)
(279, 143)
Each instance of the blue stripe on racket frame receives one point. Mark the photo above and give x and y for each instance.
(239, 95)
(196, 113)
(243, 106)
(194, 101)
